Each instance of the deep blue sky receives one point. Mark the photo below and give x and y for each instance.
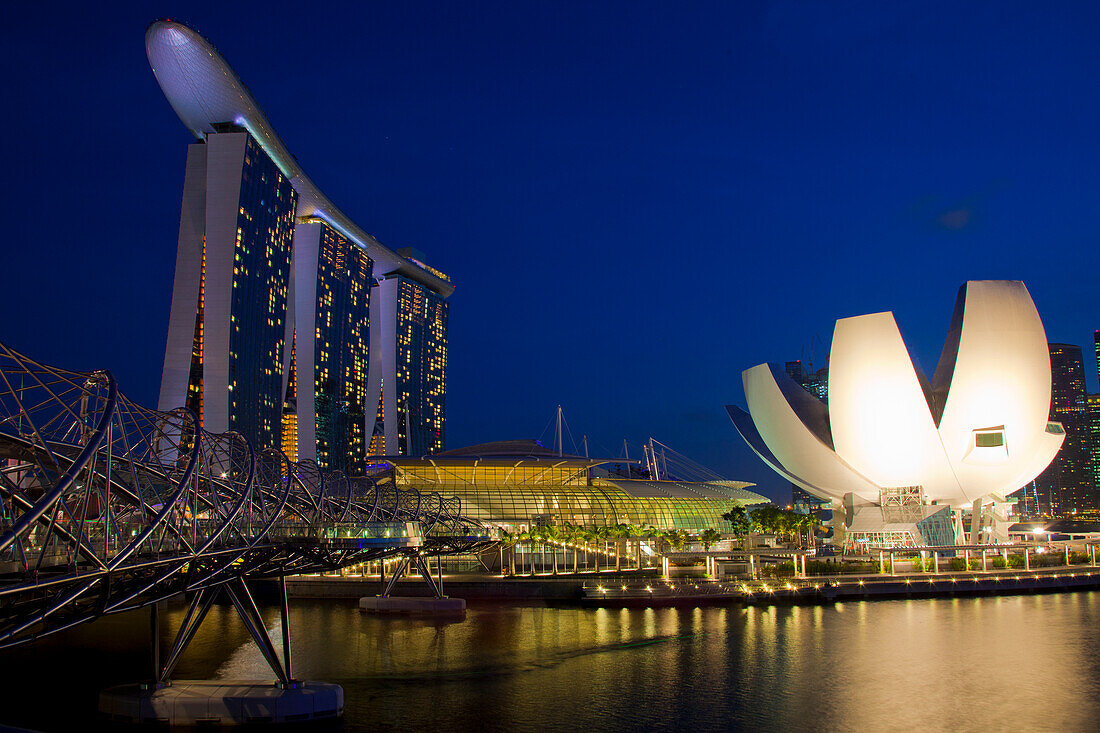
(636, 201)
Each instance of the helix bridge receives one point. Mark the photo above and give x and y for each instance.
(107, 506)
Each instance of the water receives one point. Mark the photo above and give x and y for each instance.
(1021, 662)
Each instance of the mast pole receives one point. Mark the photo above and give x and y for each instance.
(559, 431)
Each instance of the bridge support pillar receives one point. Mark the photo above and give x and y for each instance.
(424, 566)
(154, 640)
(284, 617)
(191, 622)
(246, 609)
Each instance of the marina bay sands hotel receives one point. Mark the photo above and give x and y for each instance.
(289, 323)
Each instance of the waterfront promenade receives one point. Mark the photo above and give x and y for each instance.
(647, 588)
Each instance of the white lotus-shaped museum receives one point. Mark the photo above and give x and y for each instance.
(979, 429)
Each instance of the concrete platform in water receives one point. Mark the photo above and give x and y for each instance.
(222, 702)
(406, 606)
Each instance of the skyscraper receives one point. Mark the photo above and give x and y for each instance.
(1067, 482)
(332, 291)
(817, 384)
(1096, 346)
(226, 335)
(1092, 418)
(408, 376)
(289, 323)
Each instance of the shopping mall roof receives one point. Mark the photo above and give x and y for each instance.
(722, 490)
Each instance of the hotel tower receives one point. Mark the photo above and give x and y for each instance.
(289, 323)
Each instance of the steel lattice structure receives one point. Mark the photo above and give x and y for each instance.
(106, 506)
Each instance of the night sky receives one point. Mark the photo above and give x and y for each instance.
(635, 201)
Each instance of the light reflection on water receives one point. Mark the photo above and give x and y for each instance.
(1024, 662)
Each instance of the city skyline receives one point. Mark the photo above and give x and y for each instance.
(551, 168)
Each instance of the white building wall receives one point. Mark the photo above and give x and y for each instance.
(307, 239)
(224, 165)
(1000, 378)
(383, 360)
(881, 421)
(185, 288)
(794, 445)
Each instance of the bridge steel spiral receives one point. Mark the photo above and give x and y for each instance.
(107, 506)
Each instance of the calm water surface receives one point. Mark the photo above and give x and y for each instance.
(1014, 662)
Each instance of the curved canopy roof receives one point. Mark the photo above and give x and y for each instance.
(205, 91)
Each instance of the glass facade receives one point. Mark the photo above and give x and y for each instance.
(421, 389)
(1093, 402)
(518, 494)
(1066, 483)
(341, 345)
(258, 308)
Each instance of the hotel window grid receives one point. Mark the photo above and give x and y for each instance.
(421, 396)
(261, 277)
(342, 339)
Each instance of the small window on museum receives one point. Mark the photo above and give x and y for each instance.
(989, 440)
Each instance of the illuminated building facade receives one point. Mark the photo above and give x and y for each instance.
(332, 295)
(226, 335)
(1093, 422)
(1067, 481)
(289, 323)
(409, 372)
(518, 485)
(1093, 402)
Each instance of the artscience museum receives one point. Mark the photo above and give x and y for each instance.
(908, 461)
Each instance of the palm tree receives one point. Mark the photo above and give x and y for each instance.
(589, 536)
(620, 532)
(676, 539)
(740, 523)
(634, 531)
(507, 539)
(577, 533)
(709, 537)
(540, 537)
(520, 537)
(810, 522)
(601, 535)
(565, 537)
(551, 534)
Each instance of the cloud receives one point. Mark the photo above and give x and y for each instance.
(955, 219)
